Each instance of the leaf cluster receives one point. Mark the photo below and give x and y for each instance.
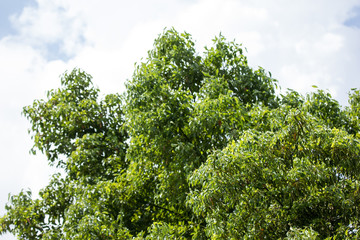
(200, 147)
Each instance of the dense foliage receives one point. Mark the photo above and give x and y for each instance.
(198, 147)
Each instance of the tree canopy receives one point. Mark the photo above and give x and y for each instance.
(198, 147)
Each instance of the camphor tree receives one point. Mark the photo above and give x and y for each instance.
(198, 147)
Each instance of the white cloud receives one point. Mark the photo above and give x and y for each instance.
(323, 46)
(50, 24)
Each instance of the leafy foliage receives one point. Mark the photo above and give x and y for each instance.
(198, 147)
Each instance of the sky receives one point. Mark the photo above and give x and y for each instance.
(301, 42)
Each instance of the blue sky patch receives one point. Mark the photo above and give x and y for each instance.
(55, 50)
(354, 21)
(8, 8)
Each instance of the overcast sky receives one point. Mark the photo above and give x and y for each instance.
(301, 42)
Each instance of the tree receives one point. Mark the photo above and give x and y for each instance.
(199, 146)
